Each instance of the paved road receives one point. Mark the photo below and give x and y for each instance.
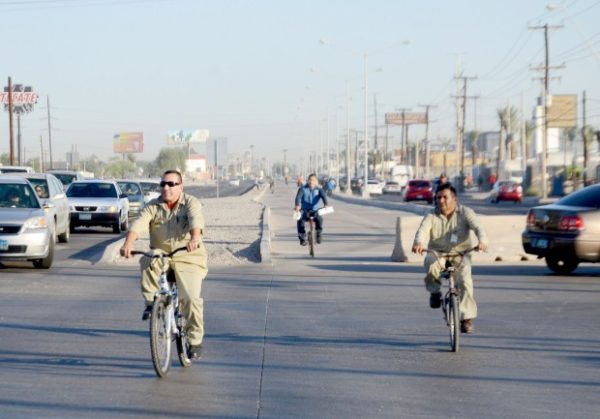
(225, 189)
(347, 334)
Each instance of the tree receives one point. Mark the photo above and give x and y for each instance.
(473, 138)
(5, 159)
(509, 121)
(529, 130)
(169, 159)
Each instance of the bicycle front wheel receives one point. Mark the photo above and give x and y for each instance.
(160, 337)
(454, 323)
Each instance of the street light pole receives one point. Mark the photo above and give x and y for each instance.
(366, 138)
(348, 189)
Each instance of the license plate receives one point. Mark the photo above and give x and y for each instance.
(3, 245)
(541, 243)
(419, 196)
(85, 217)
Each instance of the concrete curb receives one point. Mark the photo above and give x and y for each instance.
(400, 206)
(265, 237)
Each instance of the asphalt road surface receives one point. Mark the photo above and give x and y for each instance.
(347, 334)
(225, 189)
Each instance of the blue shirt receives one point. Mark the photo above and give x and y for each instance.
(310, 199)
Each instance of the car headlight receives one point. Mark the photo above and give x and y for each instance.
(110, 208)
(36, 223)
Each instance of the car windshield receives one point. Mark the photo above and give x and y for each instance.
(588, 197)
(130, 188)
(149, 187)
(92, 190)
(65, 178)
(41, 187)
(17, 196)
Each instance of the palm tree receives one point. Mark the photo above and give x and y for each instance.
(509, 121)
(473, 137)
(529, 130)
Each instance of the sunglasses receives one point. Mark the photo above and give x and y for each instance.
(170, 184)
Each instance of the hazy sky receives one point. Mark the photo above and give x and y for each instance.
(257, 72)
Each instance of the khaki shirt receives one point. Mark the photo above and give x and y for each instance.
(170, 229)
(445, 234)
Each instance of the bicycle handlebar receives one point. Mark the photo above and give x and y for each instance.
(450, 253)
(154, 255)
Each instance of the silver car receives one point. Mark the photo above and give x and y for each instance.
(26, 227)
(98, 203)
(50, 190)
(135, 196)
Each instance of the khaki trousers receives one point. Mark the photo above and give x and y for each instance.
(464, 282)
(189, 277)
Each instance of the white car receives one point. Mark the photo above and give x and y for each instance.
(392, 187)
(151, 189)
(234, 182)
(374, 187)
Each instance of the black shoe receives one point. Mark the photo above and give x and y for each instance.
(435, 300)
(147, 313)
(319, 238)
(195, 351)
(466, 326)
(303, 242)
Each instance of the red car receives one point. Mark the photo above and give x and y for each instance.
(507, 191)
(419, 190)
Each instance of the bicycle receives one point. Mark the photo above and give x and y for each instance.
(451, 300)
(166, 322)
(311, 235)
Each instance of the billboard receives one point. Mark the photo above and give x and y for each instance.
(185, 136)
(128, 142)
(562, 111)
(23, 98)
(408, 118)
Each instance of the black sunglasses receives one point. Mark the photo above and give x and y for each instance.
(170, 184)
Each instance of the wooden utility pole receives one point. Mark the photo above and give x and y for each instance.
(427, 144)
(460, 141)
(546, 80)
(10, 124)
(49, 133)
(41, 154)
(584, 137)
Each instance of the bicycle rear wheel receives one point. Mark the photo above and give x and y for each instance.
(183, 345)
(454, 323)
(160, 337)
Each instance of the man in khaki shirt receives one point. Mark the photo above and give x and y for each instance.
(447, 228)
(174, 220)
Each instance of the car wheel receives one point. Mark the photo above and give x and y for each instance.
(46, 262)
(125, 224)
(117, 227)
(72, 227)
(561, 265)
(66, 235)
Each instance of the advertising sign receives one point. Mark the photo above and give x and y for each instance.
(185, 136)
(562, 111)
(408, 118)
(128, 142)
(23, 98)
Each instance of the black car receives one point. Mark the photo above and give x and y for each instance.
(567, 232)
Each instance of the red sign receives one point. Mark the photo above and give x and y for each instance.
(406, 118)
(19, 98)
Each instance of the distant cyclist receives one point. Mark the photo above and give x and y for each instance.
(272, 185)
(309, 199)
(447, 228)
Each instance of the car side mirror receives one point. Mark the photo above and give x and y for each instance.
(123, 195)
(48, 205)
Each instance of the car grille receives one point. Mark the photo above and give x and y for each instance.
(14, 249)
(9, 229)
(86, 208)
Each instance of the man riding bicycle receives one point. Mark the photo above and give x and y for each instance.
(174, 220)
(309, 199)
(446, 228)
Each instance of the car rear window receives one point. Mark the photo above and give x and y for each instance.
(154, 187)
(65, 179)
(92, 190)
(17, 196)
(587, 197)
(420, 183)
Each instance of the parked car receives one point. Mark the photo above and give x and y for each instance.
(374, 187)
(16, 169)
(392, 187)
(135, 196)
(151, 189)
(98, 203)
(566, 232)
(419, 190)
(50, 190)
(66, 177)
(234, 182)
(356, 184)
(506, 190)
(26, 227)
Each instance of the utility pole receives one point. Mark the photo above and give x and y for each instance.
(251, 158)
(49, 132)
(328, 146)
(403, 136)
(376, 137)
(460, 141)
(348, 189)
(366, 162)
(41, 155)
(284, 170)
(583, 136)
(546, 79)
(19, 144)
(523, 139)
(10, 124)
(427, 145)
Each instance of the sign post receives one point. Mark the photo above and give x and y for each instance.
(18, 99)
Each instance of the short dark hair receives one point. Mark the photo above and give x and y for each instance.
(446, 186)
(173, 172)
(311, 175)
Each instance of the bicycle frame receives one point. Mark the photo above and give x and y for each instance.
(169, 291)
